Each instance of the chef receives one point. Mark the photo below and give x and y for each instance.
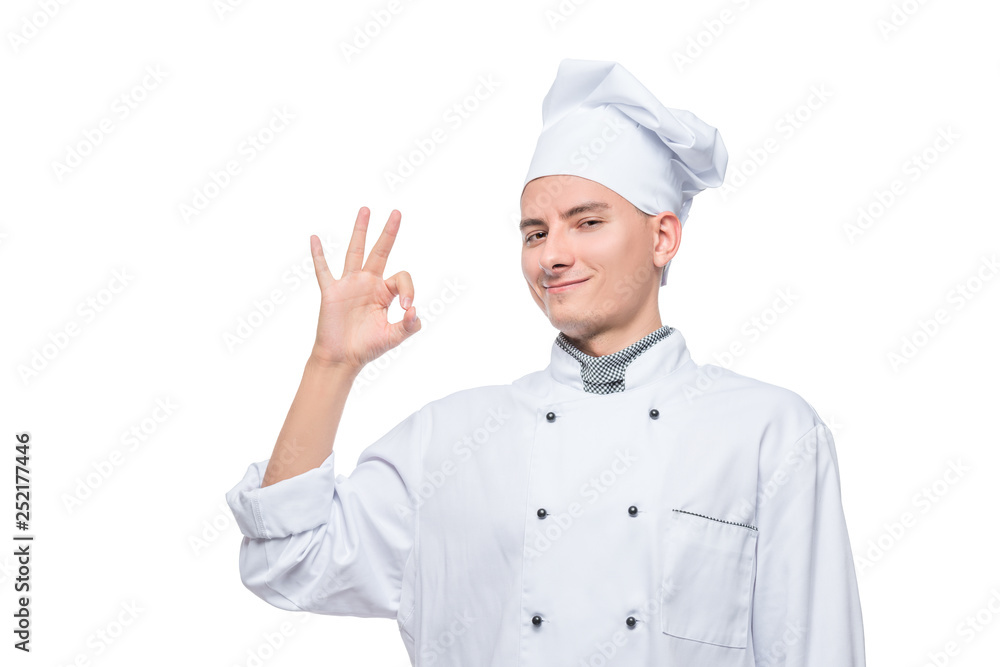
(625, 505)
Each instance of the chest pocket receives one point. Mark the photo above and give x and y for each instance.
(707, 580)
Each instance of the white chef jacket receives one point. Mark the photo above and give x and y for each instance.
(693, 518)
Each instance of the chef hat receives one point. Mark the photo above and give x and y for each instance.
(600, 123)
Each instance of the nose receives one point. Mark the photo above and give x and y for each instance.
(556, 251)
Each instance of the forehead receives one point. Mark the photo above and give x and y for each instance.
(560, 192)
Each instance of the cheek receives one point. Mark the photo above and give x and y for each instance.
(620, 259)
(612, 252)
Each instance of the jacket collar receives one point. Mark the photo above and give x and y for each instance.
(663, 357)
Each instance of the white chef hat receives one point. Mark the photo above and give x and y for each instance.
(600, 123)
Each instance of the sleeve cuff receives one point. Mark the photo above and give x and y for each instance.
(293, 505)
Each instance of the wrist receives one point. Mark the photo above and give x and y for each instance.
(319, 362)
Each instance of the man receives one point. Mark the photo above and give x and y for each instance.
(624, 505)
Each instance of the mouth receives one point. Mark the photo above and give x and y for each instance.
(564, 287)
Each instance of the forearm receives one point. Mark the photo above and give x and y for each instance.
(306, 438)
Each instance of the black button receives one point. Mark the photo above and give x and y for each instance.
(633, 510)
(551, 416)
(537, 620)
(630, 621)
(541, 513)
(654, 414)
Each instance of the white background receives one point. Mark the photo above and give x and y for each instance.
(144, 535)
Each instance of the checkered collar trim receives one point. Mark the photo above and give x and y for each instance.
(606, 374)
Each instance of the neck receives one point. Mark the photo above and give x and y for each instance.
(598, 343)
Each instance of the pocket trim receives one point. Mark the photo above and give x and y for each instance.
(731, 523)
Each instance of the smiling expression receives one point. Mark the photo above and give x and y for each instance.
(592, 260)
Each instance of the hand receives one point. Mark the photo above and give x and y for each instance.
(354, 327)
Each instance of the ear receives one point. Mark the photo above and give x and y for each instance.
(667, 230)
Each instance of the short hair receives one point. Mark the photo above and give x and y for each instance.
(641, 212)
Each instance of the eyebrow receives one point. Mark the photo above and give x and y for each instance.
(585, 207)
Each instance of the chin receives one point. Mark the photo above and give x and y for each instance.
(573, 323)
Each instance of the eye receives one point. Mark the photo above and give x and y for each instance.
(528, 238)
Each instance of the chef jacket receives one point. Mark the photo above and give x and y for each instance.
(690, 516)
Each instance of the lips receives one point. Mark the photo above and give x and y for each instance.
(563, 286)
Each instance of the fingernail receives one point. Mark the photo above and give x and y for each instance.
(406, 302)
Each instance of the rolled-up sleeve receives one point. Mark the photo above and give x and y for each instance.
(807, 609)
(331, 544)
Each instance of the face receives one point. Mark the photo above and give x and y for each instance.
(607, 255)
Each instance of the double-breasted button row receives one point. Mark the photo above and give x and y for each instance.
(630, 621)
(653, 414)
(632, 511)
(542, 513)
